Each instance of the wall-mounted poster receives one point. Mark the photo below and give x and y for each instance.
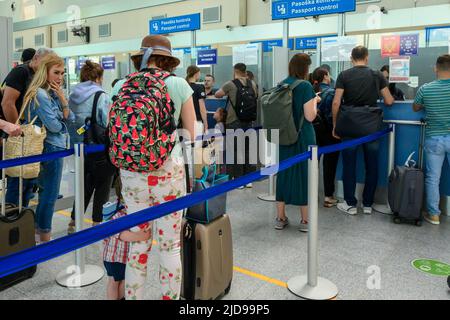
(409, 45)
(390, 46)
(400, 69)
(400, 45)
(338, 48)
(247, 54)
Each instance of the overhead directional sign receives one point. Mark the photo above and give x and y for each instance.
(306, 43)
(283, 9)
(268, 45)
(189, 50)
(109, 63)
(207, 57)
(309, 43)
(189, 22)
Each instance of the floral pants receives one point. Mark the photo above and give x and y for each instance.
(141, 191)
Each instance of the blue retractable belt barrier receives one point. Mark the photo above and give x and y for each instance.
(353, 143)
(30, 257)
(10, 163)
(34, 159)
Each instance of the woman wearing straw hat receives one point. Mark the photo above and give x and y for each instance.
(143, 190)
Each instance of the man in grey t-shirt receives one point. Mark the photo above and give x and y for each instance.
(230, 89)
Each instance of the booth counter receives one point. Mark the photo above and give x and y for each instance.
(407, 141)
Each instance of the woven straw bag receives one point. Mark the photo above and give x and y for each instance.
(31, 143)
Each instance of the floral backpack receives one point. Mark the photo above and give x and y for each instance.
(142, 126)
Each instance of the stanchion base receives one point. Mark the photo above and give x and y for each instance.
(72, 280)
(267, 197)
(325, 289)
(383, 208)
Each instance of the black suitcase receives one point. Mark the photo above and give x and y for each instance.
(16, 234)
(407, 188)
(406, 194)
(207, 258)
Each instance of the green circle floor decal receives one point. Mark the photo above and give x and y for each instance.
(433, 267)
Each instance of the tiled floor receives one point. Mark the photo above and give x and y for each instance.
(349, 247)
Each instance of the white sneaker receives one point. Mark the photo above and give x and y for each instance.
(249, 186)
(367, 210)
(304, 227)
(344, 207)
(241, 188)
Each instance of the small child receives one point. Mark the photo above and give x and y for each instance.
(115, 256)
(221, 117)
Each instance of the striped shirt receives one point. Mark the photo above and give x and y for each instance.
(116, 250)
(435, 98)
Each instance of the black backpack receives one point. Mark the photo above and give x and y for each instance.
(96, 134)
(246, 101)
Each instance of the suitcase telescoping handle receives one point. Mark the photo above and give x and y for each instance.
(422, 142)
(4, 137)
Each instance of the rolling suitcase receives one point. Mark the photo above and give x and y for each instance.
(406, 189)
(207, 258)
(16, 234)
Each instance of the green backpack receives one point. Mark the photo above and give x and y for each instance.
(278, 113)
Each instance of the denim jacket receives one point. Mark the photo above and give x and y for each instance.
(50, 115)
(326, 105)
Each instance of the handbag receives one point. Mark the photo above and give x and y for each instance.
(211, 209)
(204, 156)
(359, 121)
(96, 134)
(31, 143)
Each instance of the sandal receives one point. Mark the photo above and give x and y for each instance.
(330, 203)
(71, 227)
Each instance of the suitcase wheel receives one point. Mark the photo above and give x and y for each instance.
(418, 223)
(397, 220)
(227, 290)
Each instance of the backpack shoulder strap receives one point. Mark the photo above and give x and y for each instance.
(94, 107)
(295, 84)
(238, 84)
(377, 83)
(292, 87)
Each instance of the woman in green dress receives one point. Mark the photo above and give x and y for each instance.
(292, 184)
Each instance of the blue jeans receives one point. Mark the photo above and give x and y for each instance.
(49, 182)
(436, 148)
(349, 157)
(12, 191)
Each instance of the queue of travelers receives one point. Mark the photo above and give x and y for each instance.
(150, 175)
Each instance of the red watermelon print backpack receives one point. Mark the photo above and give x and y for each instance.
(142, 126)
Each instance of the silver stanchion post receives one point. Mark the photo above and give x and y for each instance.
(80, 274)
(270, 197)
(386, 208)
(311, 286)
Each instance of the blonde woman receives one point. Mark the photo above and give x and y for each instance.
(47, 102)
